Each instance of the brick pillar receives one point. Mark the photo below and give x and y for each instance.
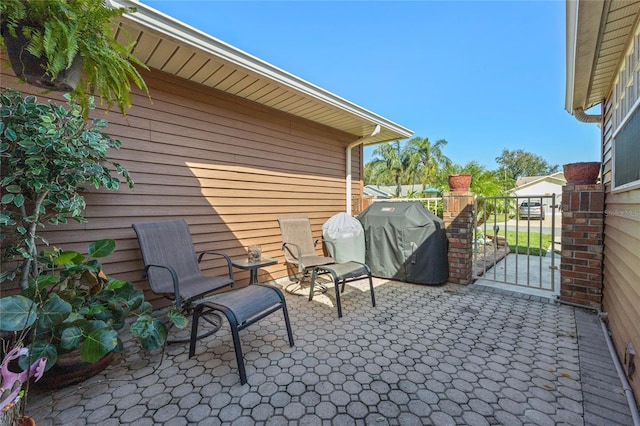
(457, 214)
(582, 245)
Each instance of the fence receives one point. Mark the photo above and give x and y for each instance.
(434, 204)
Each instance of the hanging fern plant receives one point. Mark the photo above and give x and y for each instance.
(64, 32)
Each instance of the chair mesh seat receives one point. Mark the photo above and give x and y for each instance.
(343, 273)
(173, 269)
(249, 302)
(346, 270)
(298, 245)
(314, 260)
(198, 285)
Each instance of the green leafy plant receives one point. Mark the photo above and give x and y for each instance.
(59, 30)
(72, 304)
(48, 154)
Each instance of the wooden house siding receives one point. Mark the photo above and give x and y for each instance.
(229, 167)
(621, 292)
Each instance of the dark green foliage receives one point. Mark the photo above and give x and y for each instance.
(48, 155)
(72, 304)
(520, 163)
(61, 29)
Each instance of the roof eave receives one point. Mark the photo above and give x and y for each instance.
(171, 27)
(584, 20)
(592, 27)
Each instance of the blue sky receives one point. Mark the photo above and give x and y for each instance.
(483, 75)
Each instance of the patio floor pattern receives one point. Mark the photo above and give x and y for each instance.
(425, 355)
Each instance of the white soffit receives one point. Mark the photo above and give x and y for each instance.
(597, 37)
(171, 46)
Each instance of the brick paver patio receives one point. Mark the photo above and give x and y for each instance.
(425, 355)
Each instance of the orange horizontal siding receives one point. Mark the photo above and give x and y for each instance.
(621, 285)
(229, 167)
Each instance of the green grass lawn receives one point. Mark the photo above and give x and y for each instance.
(530, 245)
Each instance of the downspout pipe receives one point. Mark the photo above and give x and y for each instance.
(352, 145)
(582, 116)
(628, 391)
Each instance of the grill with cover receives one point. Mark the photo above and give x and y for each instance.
(405, 241)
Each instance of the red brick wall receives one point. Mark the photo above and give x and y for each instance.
(582, 245)
(458, 220)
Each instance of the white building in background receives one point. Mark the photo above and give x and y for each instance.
(531, 186)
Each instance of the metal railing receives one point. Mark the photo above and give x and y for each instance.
(495, 214)
(433, 203)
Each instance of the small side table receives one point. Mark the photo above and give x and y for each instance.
(252, 267)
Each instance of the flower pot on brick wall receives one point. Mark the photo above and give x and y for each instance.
(582, 173)
(460, 183)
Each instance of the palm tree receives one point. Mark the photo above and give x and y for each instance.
(425, 158)
(388, 165)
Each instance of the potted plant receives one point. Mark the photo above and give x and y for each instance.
(71, 45)
(72, 305)
(48, 155)
(459, 182)
(584, 173)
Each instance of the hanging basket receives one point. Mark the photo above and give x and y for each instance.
(460, 183)
(31, 69)
(581, 173)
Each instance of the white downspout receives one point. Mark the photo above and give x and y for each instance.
(353, 144)
(582, 116)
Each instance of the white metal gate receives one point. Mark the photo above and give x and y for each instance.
(515, 241)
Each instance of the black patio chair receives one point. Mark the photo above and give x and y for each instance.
(173, 270)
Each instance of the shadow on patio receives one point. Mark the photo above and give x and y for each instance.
(425, 355)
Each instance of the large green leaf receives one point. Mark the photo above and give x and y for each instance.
(151, 332)
(54, 311)
(43, 281)
(68, 256)
(102, 248)
(176, 317)
(18, 313)
(37, 350)
(145, 308)
(71, 337)
(101, 340)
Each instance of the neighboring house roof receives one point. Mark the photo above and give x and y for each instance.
(169, 45)
(597, 35)
(527, 181)
(524, 181)
(371, 191)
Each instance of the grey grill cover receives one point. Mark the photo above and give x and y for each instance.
(404, 241)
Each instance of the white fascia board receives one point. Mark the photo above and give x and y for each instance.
(572, 39)
(173, 28)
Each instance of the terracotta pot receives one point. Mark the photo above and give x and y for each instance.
(71, 369)
(460, 183)
(26, 421)
(31, 68)
(581, 173)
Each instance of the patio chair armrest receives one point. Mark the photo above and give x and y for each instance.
(331, 247)
(288, 252)
(174, 278)
(227, 258)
